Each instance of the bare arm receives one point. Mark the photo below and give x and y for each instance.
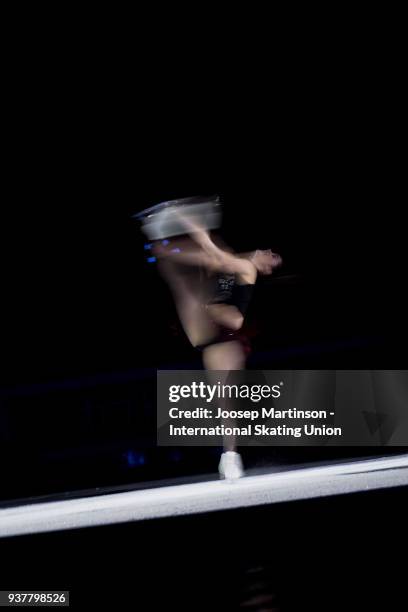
(218, 259)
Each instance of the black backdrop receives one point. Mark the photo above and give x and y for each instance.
(77, 294)
(300, 130)
(306, 159)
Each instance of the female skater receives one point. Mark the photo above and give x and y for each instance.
(212, 317)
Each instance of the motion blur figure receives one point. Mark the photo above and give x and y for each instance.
(212, 287)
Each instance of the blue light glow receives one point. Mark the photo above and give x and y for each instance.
(133, 459)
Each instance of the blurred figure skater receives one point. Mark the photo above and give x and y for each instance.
(212, 304)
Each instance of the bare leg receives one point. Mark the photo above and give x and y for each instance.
(189, 296)
(225, 356)
(190, 299)
(226, 315)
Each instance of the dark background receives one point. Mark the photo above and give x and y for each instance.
(299, 127)
(304, 152)
(78, 296)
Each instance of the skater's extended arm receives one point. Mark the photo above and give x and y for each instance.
(218, 259)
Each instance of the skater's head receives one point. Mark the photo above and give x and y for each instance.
(265, 261)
